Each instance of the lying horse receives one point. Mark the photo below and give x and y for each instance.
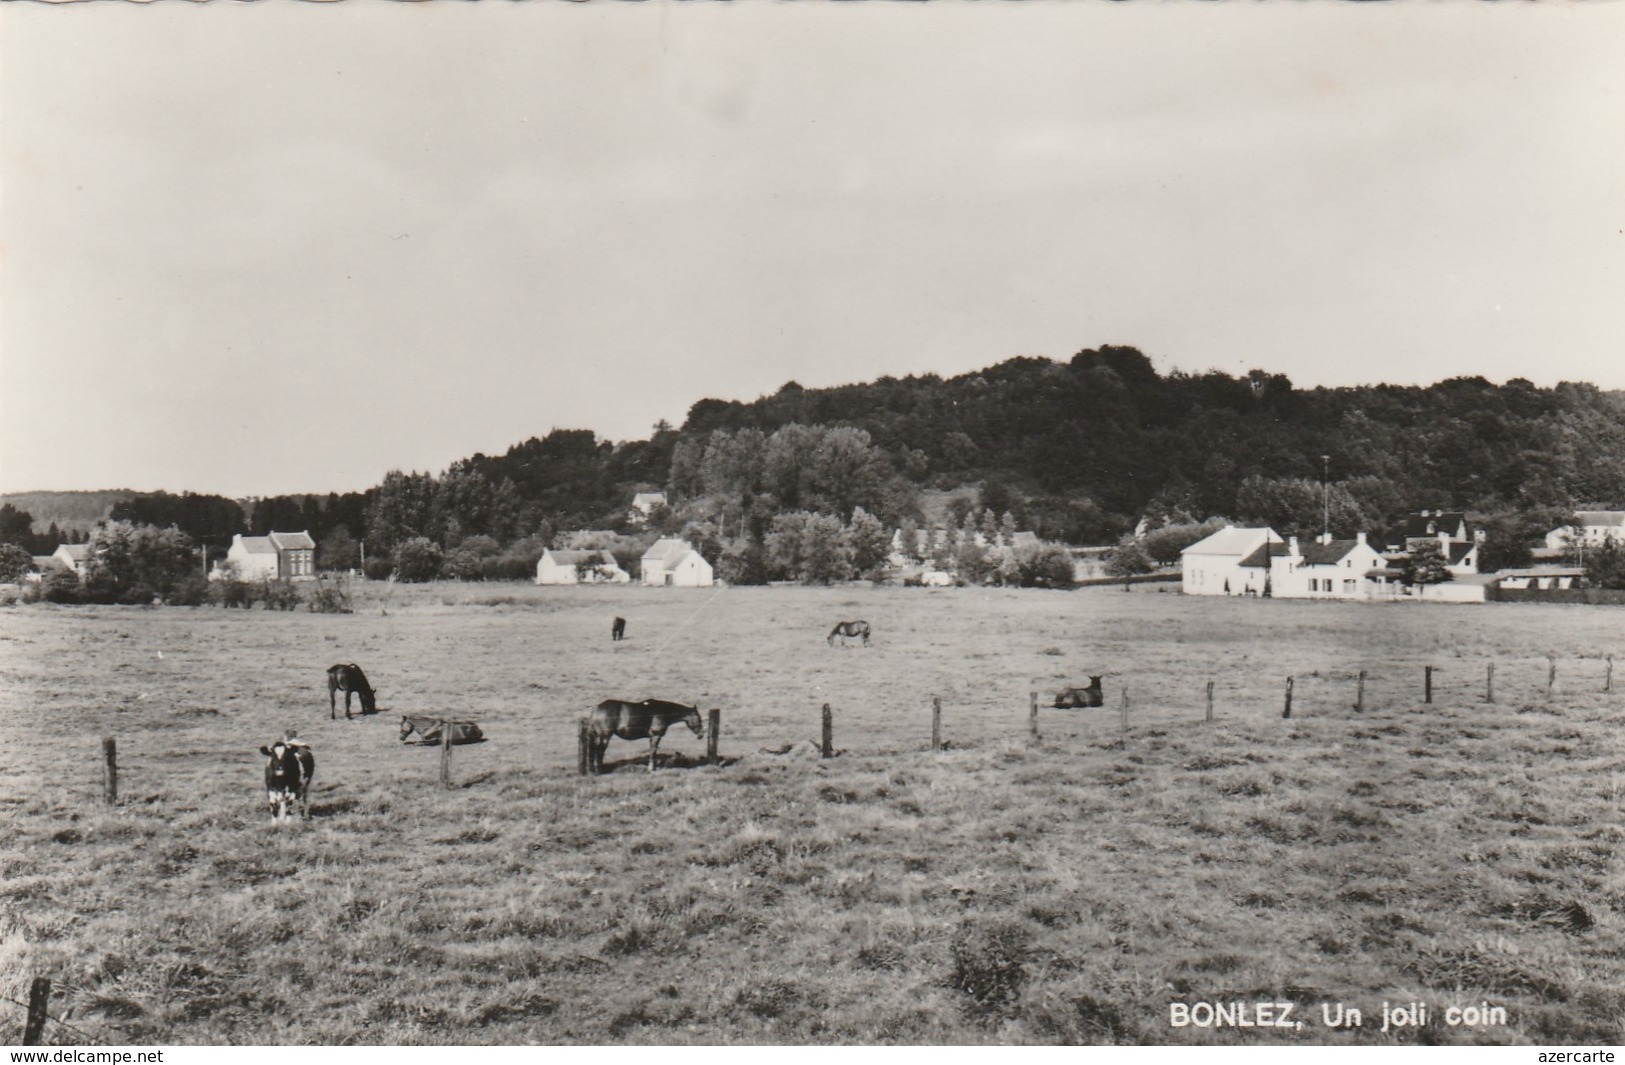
(1078, 698)
(617, 630)
(851, 629)
(349, 679)
(632, 721)
(287, 777)
(429, 729)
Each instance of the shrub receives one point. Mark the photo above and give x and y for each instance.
(59, 586)
(378, 569)
(331, 598)
(280, 595)
(14, 563)
(1044, 566)
(191, 590)
(418, 559)
(232, 593)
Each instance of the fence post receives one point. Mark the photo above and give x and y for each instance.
(39, 997)
(1032, 716)
(1489, 683)
(713, 728)
(1551, 674)
(936, 722)
(1608, 682)
(445, 754)
(1427, 684)
(1287, 712)
(583, 748)
(1125, 712)
(1210, 702)
(828, 748)
(1359, 695)
(110, 758)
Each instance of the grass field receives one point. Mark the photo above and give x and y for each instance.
(1459, 853)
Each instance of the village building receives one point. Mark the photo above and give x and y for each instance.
(671, 562)
(73, 556)
(1232, 561)
(645, 504)
(579, 567)
(1590, 528)
(274, 557)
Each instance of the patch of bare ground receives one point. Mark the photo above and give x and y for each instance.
(1001, 890)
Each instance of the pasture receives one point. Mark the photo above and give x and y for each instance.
(1458, 853)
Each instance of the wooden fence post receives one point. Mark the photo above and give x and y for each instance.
(1489, 683)
(583, 748)
(110, 758)
(1359, 695)
(1125, 711)
(828, 748)
(1287, 712)
(936, 722)
(1032, 716)
(1210, 702)
(39, 998)
(1608, 682)
(712, 730)
(1551, 674)
(1427, 684)
(445, 754)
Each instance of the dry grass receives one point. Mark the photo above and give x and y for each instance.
(997, 891)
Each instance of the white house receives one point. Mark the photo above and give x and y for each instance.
(579, 567)
(1591, 528)
(73, 556)
(644, 504)
(675, 563)
(277, 556)
(1218, 564)
(1327, 569)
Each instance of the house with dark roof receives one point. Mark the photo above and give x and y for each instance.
(274, 557)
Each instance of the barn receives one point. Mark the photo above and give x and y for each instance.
(579, 567)
(1217, 565)
(674, 563)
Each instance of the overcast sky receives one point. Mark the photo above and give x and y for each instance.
(269, 248)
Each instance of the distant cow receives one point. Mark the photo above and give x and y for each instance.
(288, 771)
(617, 631)
(850, 629)
(633, 721)
(429, 729)
(1078, 698)
(350, 680)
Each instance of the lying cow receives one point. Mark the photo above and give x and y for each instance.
(1078, 698)
(429, 729)
(288, 771)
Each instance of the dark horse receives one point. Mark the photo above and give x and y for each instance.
(853, 629)
(1078, 698)
(349, 679)
(632, 721)
(617, 631)
(287, 777)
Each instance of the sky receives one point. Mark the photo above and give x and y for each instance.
(282, 247)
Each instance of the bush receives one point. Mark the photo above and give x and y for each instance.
(280, 595)
(231, 593)
(418, 559)
(378, 569)
(1044, 566)
(192, 590)
(59, 586)
(14, 563)
(331, 598)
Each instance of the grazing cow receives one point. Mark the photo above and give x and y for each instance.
(852, 629)
(429, 732)
(617, 631)
(288, 771)
(632, 721)
(349, 679)
(1078, 698)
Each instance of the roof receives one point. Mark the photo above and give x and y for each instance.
(44, 562)
(257, 545)
(648, 499)
(576, 558)
(1542, 571)
(1318, 554)
(77, 552)
(1275, 548)
(1232, 540)
(292, 541)
(1459, 551)
(1416, 526)
(1609, 518)
(668, 551)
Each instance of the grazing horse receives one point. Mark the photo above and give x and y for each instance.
(851, 629)
(1078, 698)
(349, 679)
(429, 732)
(288, 771)
(617, 631)
(631, 721)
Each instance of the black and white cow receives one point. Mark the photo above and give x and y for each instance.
(290, 765)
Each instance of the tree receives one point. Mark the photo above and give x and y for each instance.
(1605, 565)
(15, 562)
(869, 543)
(1043, 566)
(1426, 564)
(401, 508)
(826, 557)
(1128, 560)
(338, 550)
(134, 563)
(1165, 544)
(417, 559)
(17, 527)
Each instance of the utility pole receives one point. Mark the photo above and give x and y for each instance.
(1326, 496)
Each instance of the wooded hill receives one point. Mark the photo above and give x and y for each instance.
(1078, 450)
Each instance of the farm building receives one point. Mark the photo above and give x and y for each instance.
(1327, 569)
(579, 567)
(1543, 578)
(1217, 564)
(276, 556)
(73, 556)
(675, 563)
(1447, 527)
(644, 504)
(1590, 528)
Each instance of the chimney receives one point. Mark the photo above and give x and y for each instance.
(1325, 537)
(1359, 538)
(1292, 546)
